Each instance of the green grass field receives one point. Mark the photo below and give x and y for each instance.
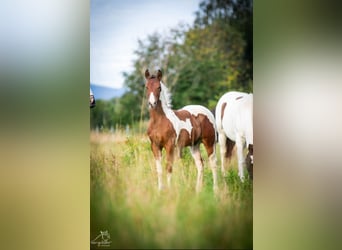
(126, 202)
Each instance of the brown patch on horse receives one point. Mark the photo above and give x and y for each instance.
(223, 107)
(240, 97)
(208, 133)
(182, 114)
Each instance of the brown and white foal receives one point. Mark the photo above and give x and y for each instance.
(189, 126)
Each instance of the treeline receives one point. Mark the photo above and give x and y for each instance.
(199, 63)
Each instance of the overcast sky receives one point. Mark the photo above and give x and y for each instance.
(116, 26)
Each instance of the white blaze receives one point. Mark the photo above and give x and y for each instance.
(152, 99)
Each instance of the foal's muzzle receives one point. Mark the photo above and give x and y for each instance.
(152, 101)
(152, 105)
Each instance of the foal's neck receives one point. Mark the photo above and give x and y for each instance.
(159, 111)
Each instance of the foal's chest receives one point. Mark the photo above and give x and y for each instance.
(161, 132)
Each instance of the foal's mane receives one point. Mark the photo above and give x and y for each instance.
(166, 95)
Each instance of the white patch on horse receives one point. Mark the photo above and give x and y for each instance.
(185, 125)
(177, 124)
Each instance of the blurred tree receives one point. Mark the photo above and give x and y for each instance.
(199, 62)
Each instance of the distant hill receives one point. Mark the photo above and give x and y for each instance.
(106, 93)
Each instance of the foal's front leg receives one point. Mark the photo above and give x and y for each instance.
(170, 151)
(157, 156)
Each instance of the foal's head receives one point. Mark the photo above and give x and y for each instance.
(153, 88)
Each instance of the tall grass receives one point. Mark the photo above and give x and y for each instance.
(125, 200)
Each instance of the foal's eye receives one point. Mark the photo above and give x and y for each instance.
(159, 88)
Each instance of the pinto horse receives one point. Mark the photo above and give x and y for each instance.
(234, 121)
(189, 126)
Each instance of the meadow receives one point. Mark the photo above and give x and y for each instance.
(126, 202)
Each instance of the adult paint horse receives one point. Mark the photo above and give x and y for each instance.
(189, 126)
(234, 121)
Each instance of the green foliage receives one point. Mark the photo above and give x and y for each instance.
(199, 62)
(106, 114)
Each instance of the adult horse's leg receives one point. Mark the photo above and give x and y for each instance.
(170, 151)
(241, 160)
(222, 141)
(157, 156)
(196, 154)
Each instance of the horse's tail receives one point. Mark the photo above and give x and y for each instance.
(218, 116)
(213, 111)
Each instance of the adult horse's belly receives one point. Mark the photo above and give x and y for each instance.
(229, 126)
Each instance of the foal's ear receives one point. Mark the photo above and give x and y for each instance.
(159, 74)
(147, 74)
